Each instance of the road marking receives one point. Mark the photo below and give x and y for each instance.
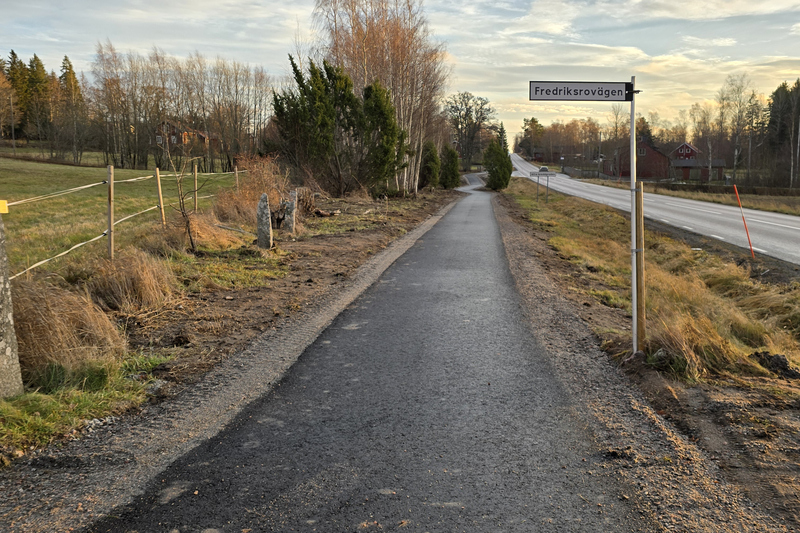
(759, 250)
(687, 227)
(664, 220)
(717, 237)
(774, 224)
(692, 208)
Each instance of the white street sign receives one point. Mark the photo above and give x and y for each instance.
(581, 91)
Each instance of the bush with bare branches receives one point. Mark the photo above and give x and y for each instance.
(263, 175)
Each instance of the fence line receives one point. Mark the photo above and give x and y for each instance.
(55, 194)
(40, 263)
(104, 182)
(108, 232)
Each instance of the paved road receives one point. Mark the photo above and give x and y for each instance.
(426, 406)
(772, 234)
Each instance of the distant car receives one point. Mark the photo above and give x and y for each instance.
(544, 169)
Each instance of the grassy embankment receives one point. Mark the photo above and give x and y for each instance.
(705, 316)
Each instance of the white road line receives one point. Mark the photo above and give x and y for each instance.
(664, 220)
(687, 227)
(759, 250)
(774, 224)
(717, 237)
(692, 208)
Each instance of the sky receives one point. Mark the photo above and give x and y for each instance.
(680, 52)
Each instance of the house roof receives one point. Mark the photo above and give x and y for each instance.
(690, 145)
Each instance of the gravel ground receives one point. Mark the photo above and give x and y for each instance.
(70, 487)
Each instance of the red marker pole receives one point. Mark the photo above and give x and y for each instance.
(745, 222)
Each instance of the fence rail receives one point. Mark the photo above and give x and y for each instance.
(111, 183)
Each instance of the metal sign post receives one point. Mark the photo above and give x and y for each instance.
(611, 92)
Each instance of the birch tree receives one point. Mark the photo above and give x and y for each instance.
(389, 41)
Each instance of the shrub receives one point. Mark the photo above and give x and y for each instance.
(450, 177)
(430, 166)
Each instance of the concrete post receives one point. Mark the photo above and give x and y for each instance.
(291, 216)
(10, 375)
(264, 222)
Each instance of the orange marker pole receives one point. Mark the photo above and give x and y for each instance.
(745, 222)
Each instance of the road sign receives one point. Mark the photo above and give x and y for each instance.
(611, 92)
(581, 91)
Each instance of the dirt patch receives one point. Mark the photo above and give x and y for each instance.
(749, 427)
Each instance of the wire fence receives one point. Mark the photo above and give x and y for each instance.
(110, 183)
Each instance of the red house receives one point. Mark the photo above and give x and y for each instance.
(651, 163)
(689, 165)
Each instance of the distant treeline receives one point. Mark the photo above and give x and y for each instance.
(137, 110)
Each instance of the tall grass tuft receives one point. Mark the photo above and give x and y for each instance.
(64, 338)
(136, 281)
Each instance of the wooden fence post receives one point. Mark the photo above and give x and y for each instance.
(640, 283)
(236, 173)
(10, 374)
(160, 199)
(110, 213)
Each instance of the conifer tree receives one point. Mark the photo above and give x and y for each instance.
(429, 171)
(335, 138)
(498, 165)
(17, 73)
(449, 170)
(38, 98)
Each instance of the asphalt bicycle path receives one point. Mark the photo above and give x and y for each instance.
(427, 405)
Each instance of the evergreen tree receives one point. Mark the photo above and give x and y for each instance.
(73, 111)
(501, 133)
(431, 165)
(17, 73)
(450, 177)
(332, 136)
(384, 142)
(498, 165)
(37, 106)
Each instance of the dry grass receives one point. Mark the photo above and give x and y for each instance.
(136, 281)
(263, 176)
(173, 242)
(59, 329)
(704, 316)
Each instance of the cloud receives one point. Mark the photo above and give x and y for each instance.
(699, 42)
(551, 17)
(795, 29)
(705, 10)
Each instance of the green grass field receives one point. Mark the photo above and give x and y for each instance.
(38, 230)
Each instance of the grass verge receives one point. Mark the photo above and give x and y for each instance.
(705, 316)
